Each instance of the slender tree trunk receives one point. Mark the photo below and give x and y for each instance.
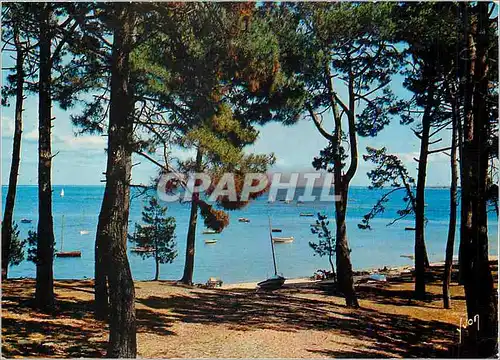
(157, 272)
(330, 260)
(448, 263)
(16, 159)
(187, 277)
(479, 291)
(113, 218)
(44, 293)
(421, 260)
(344, 266)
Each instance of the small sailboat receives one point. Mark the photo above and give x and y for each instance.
(62, 193)
(276, 281)
(244, 220)
(62, 253)
(210, 241)
(26, 221)
(283, 240)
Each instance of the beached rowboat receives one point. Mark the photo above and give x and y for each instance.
(273, 283)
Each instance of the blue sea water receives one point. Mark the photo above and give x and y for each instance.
(243, 250)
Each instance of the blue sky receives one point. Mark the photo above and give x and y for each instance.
(82, 159)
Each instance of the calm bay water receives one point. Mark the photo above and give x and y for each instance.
(243, 251)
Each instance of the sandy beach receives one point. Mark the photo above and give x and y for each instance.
(301, 320)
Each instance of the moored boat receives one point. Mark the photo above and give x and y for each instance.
(69, 254)
(276, 230)
(26, 221)
(209, 232)
(283, 240)
(210, 241)
(306, 214)
(141, 249)
(245, 220)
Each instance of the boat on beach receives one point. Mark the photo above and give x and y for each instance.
(272, 283)
(26, 221)
(283, 240)
(276, 281)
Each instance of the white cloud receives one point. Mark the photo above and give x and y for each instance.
(7, 127)
(91, 142)
(31, 135)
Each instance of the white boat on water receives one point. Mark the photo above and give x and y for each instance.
(84, 232)
(283, 240)
(62, 193)
(210, 241)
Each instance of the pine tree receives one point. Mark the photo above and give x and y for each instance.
(156, 235)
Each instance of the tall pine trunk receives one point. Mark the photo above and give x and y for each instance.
(16, 158)
(465, 137)
(343, 253)
(479, 291)
(421, 259)
(44, 293)
(450, 243)
(187, 277)
(113, 218)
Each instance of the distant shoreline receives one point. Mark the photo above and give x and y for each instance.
(386, 270)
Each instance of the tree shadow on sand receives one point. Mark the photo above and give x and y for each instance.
(69, 330)
(398, 335)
